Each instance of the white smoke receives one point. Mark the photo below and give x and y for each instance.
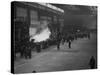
(44, 35)
(42, 32)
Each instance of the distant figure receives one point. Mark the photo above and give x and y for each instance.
(58, 45)
(88, 35)
(29, 52)
(92, 62)
(38, 47)
(69, 43)
(63, 40)
(58, 39)
(32, 44)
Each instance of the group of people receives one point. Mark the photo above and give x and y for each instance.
(68, 38)
(25, 47)
(61, 39)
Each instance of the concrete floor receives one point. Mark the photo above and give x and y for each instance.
(65, 59)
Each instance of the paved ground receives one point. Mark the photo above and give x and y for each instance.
(65, 59)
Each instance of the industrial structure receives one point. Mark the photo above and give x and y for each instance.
(28, 16)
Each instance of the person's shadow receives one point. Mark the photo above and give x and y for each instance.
(34, 71)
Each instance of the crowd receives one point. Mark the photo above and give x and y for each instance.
(25, 47)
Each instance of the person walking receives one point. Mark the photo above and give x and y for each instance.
(58, 39)
(69, 43)
(58, 45)
(92, 62)
(38, 47)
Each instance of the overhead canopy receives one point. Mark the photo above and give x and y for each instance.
(79, 15)
(78, 9)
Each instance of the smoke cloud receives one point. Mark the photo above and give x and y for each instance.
(41, 32)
